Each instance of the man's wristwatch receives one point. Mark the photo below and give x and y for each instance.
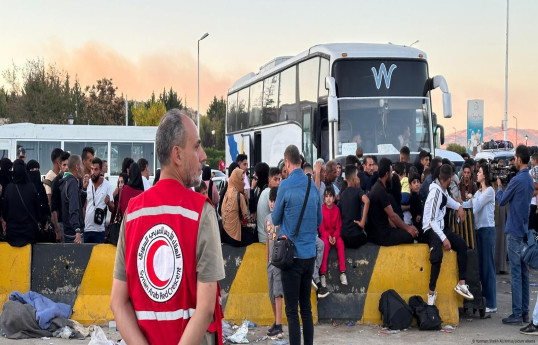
(78, 231)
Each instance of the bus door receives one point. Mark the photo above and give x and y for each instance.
(309, 149)
(257, 154)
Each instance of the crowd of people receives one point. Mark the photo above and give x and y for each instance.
(341, 204)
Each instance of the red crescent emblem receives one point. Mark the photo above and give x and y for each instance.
(149, 263)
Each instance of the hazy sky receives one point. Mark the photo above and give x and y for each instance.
(146, 46)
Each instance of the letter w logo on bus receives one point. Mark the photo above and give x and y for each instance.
(383, 73)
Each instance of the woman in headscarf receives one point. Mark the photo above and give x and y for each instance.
(20, 207)
(134, 187)
(34, 175)
(235, 215)
(212, 191)
(259, 182)
(6, 175)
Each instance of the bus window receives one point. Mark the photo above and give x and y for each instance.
(287, 101)
(39, 151)
(270, 100)
(134, 150)
(308, 83)
(231, 114)
(256, 97)
(76, 147)
(323, 73)
(242, 109)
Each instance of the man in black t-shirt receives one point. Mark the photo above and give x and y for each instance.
(353, 206)
(56, 200)
(384, 226)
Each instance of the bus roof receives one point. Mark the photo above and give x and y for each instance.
(77, 132)
(334, 51)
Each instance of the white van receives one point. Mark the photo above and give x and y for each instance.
(454, 157)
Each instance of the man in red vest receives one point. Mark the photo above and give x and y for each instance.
(169, 258)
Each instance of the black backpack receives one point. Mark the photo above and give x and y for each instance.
(395, 313)
(427, 315)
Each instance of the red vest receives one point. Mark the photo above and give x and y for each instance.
(160, 261)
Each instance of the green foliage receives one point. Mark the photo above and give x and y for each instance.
(170, 99)
(214, 156)
(456, 148)
(148, 114)
(103, 107)
(3, 103)
(214, 121)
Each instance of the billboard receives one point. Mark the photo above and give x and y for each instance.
(475, 125)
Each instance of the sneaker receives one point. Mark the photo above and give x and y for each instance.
(464, 291)
(530, 329)
(314, 285)
(491, 310)
(343, 278)
(432, 298)
(271, 328)
(323, 281)
(276, 332)
(323, 292)
(525, 317)
(513, 320)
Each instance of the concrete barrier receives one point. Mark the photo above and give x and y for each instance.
(14, 270)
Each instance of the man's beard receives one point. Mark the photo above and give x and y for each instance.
(95, 178)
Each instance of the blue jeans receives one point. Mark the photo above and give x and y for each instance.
(519, 274)
(319, 257)
(296, 282)
(94, 237)
(485, 243)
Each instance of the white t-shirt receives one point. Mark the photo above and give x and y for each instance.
(146, 183)
(99, 195)
(533, 200)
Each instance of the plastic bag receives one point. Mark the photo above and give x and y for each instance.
(99, 337)
(240, 336)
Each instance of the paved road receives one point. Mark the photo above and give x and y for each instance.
(472, 329)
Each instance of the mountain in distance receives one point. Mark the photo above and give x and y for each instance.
(496, 133)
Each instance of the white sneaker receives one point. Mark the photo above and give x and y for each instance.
(343, 278)
(464, 291)
(432, 298)
(491, 310)
(314, 285)
(323, 280)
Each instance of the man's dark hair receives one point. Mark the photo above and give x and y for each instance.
(405, 151)
(272, 193)
(466, 166)
(384, 167)
(445, 172)
(127, 161)
(351, 170)
(484, 161)
(329, 190)
(55, 154)
(64, 156)
(240, 157)
(446, 161)
(372, 157)
(306, 166)
(143, 163)
(231, 168)
(413, 170)
(276, 171)
(351, 159)
(413, 177)
(535, 157)
(399, 168)
(464, 155)
(522, 152)
(85, 151)
(98, 160)
(292, 154)
(436, 162)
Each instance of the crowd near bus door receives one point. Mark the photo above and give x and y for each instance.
(307, 134)
(257, 148)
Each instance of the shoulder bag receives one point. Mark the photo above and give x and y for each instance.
(283, 249)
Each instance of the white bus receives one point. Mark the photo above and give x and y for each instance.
(112, 143)
(333, 98)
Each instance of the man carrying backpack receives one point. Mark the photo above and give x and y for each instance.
(438, 237)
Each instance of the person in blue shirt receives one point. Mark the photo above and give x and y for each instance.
(297, 279)
(519, 194)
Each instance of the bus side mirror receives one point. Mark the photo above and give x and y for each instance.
(332, 103)
(439, 81)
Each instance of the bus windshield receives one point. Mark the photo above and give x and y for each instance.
(382, 125)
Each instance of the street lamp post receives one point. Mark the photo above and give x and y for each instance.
(454, 128)
(214, 139)
(516, 128)
(198, 110)
(526, 138)
(70, 119)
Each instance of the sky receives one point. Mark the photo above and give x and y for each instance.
(146, 46)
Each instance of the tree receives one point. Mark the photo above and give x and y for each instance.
(216, 113)
(459, 149)
(3, 103)
(170, 99)
(148, 115)
(103, 106)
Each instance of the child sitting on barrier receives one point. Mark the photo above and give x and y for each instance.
(330, 235)
(276, 292)
(415, 205)
(439, 237)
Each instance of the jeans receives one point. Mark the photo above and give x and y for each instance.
(319, 257)
(296, 283)
(535, 312)
(519, 273)
(485, 244)
(94, 237)
(341, 254)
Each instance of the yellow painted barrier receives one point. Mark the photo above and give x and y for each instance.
(248, 297)
(406, 269)
(93, 300)
(14, 270)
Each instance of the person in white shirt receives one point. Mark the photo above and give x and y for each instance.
(98, 197)
(144, 168)
(51, 175)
